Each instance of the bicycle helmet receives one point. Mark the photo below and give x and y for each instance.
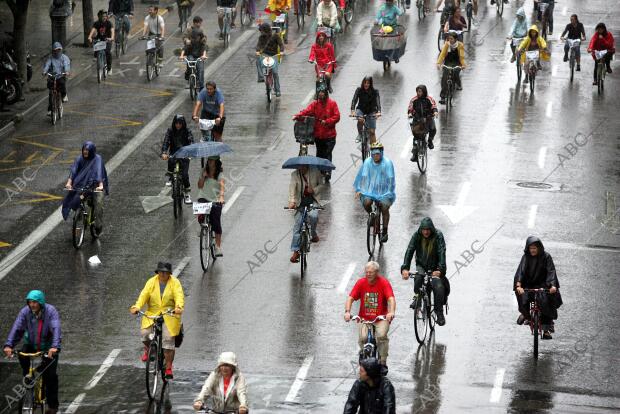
(376, 146)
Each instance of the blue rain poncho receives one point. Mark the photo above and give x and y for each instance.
(376, 181)
(85, 173)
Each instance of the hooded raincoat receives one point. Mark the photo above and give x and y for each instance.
(85, 173)
(235, 396)
(520, 25)
(326, 111)
(430, 254)
(41, 332)
(542, 44)
(605, 43)
(323, 54)
(377, 181)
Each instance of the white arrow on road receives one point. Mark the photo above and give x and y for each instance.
(459, 211)
(152, 203)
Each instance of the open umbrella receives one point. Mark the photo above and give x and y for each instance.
(202, 150)
(320, 163)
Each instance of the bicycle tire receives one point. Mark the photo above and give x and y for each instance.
(149, 67)
(124, 42)
(59, 107)
(421, 10)
(532, 81)
(268, 86)
(192, 87)
(117, 48)
(600, 77)
(78, 228)
(176, 196)
(99, 71)
(422, 160)
(242, 14)
(152, 370)
(379, 228)
(364, 144)
(348, 13)
(519, 68)
(28, 404)
(386, 64)
(212, 246)
(420, 320)
(54, 110)
(535, 332)
(371, 237)
(430, 310)
(205, 247)
(572, 65)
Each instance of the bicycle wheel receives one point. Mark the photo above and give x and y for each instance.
(93, 229)
(572, 65)
(386, 64)
(152, 370)
(117, 46)
(268, 86)
(519, 68)
(26, 403)
(536, 333)
(430, 310)
(348, 12)
(99, 68)
(599, 77)
(176, 197)
(150, 70)
(500, 7)
(59, 107)
(422, 155)
(54, 109)
(371, 237)
(303, 252)
(379, 228)
(205, 247)
(532, 81)
(78, 228)
(364, 144)
(420, 319)
(124, 41)
(242, 14)
(192, 87)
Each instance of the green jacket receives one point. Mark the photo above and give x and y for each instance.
(434, 258)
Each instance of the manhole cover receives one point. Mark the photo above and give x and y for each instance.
(533, 184)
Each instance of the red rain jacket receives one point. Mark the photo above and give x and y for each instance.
(323, 111)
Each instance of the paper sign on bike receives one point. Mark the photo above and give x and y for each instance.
(206, 124)
(280, 18)
(150, 44)
(532, 55)
(574, 42)
(99, 46)
(202, 208)
(600, 53)
(268, 61)
(517, 41)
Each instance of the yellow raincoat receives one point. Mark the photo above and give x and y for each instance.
(156, 304)
(542, 45)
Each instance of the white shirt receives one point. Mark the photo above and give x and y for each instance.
(155, 25)
(327, 14)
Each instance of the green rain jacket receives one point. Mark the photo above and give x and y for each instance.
(434, 257)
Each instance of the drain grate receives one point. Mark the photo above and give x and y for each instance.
(535, 185)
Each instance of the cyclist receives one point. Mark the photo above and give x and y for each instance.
(536, 270)
(423, 107)
(56, 64)
(366, 101)
(429, 247)
(177, 136)
(161, 292)
(211, 189)
(575, 30)
(376, 182)
(602, 40)
(456, 22)
(449, 6)
(103, 31)
(269, 44)
(195, 48)
(388, 13)
(327, 15)
(88, 171)
(184, 4)
(322, 53)
(154, 25)
(549, 13)
(372, 393)
(518, 30)
(534, 41)
(326, 116)
(308, 10)
(39, 324)
(122, 9)
(452, 55)
(376, 299)
(210, 103)
(304, 189)
(221, 5)
(226, 386)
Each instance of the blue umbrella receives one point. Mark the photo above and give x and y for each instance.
(320, 163)
(202, 150)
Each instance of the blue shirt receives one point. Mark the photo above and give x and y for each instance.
(210, 103)
(57, 65)
(388, 15)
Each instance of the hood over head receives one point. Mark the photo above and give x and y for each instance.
(319, 34)
(36, 296)
(92, 149)
(521, 12)
(534, 28)
(372, 367)
(426, 223)
(56, 46)
(533, 240)
(227, 358)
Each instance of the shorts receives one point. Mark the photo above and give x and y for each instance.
(371, 122)
(167, 340)
(384, 203)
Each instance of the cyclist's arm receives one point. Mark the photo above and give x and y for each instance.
(18, 329)
(144, 295)
(179, 297)
(308, 111)
(442, 55)
(461, 49)
(197, 106)
(242, 393)
(145, 29)
(409, 253)
(551, 275)
(190, 137)
(389, 398)
(66, 64)
(162, 26)
(293, 189)
(354, 400)
(378, 102)
(565, 30)
(434, 109)
(335, 118)
(112, 33)
(355, 99)
(165, 145)
(333, 21)
(392, 305)
(518, 279)
(55, 326)
(411, 108)
(207, 388)
(222, 189)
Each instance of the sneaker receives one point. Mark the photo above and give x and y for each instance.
(188, 199)
(578, 68)
(145, 355)
(430, 144)
(384, 237)
(492, 2)
(550, 33)
(221, 36)
(442, 101)
(609, 70)
(441, 320)
(278, 94)
(168, 183)
(565, 57)
(512, 59)
(218, 252)
(547, 335)
(414, 158)
(66, 98)
(358, 139)
(315, 239)
(295, 257)
(520, 319)
(168, 374)
(459, 88)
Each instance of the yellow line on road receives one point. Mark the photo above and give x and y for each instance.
(125, 122)
(4, 244)
(37, 144)
(42, 196)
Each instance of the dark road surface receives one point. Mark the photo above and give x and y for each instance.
(506, 164)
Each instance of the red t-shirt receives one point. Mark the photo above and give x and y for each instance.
(373, 298)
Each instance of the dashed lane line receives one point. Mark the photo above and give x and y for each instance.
(496, 392)
(299, 379)
(232, 199)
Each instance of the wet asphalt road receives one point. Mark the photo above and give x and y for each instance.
(498, 143)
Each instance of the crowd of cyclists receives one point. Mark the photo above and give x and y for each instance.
(38, 323)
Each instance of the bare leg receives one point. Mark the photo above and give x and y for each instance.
(169, 357)
(218, 240)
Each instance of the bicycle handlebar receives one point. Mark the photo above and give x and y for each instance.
(310, 207)
(169, 312)
(451, 67)
(536, 290)
(378, 318)
(82, 190)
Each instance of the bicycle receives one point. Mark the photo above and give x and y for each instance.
(121, 35)
(531, 66)
(268, 63)
(185, 12)
(33, 400)
(177, 189)
(499, 5)
(300, 12)
(152, 49)
(227, 24)
(451, 87)
(207, 410)
(56, 97)
(369, 350)
(424, 317)
(102, 64)
(374, 228)
(84, 217)
(207, 235)
(245, 14)
(154, 366)
(280, 25)
(516, 41)
(421, 9)
(544, 11)
(192, 80)
(419, 149)
(363, 138)
(305, 236)
(304, 133)
(469, 13)
(535, 317)
(321, 81)
(349, 8)
(573, 45)
(601, 71)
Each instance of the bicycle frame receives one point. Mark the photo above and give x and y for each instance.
(536, 327)
(450, 83)
(369, 349)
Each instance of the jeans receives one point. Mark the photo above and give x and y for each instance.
(184, 164)
(439, 291)
(200, 71)
(62, 87)
(381, 336)
(312, 218)
(274, 71)
(444, 80)
(48, 371)
(324, 148)
(125, 19)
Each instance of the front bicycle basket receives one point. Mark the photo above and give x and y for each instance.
(304, 130)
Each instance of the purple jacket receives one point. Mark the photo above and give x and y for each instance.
(27, 326)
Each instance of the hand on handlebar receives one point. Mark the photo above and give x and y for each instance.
(436, 273)
(347, 316)
(8, 351)
(405, 274)
(358, 195)
(520, 290)
(133, 310)
(165, 156)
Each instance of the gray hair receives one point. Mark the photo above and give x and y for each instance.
(374, 265)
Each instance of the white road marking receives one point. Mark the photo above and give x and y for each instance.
(347, 276)
(554, 70)
(496, 392)
(463, 194)
(531, 219)
(459, 211)
(103, 369)
(405, 153)
(75, 404)
(232, 199)
(549, 109)
(20, 251)
(542, 157)
(177, 270)
(564, 10)
(299, 379)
